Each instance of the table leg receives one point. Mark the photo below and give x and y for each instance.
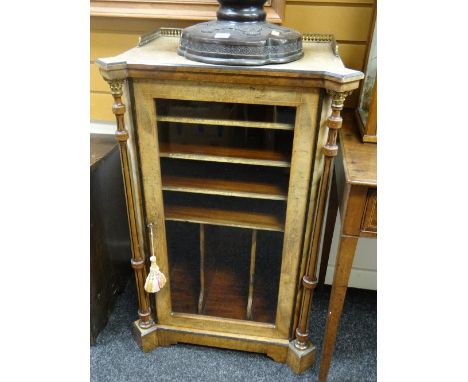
(344, 263)
(329, 229)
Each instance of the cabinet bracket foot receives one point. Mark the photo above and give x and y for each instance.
(147, 339)
(300, 360)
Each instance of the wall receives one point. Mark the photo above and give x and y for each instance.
(349, 20)
(364, 272)
(109, 37)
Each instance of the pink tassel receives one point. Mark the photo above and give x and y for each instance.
(156, 279)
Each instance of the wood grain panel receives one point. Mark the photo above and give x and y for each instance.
(101, 107)
(240, 219)
(353, 55)
(351, 212)
(260, 157)
(334, 2)
(108, 44)
(302, 168)
(132, 25)
(97, 83)
(226, 122)
(369, 221)
(164, 11)
(239, 188)
(360, 159)
(346, 23)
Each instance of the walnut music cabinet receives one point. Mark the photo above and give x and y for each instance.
(226, 172)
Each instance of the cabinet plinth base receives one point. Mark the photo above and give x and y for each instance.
(300, 360)
(279, 350)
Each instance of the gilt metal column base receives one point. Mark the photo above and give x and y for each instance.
(300, 360)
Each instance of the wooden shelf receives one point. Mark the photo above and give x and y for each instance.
(227, 122)
(245, 189)
(240, 219)
(260, 157)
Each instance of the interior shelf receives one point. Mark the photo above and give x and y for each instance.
(227, 179)
(252, 156)
(227, 218)
(226, 114)
(246, 189)
(226, 122)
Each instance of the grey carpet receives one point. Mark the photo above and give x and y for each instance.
(116, 357)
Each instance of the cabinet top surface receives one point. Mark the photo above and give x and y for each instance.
(158, 51)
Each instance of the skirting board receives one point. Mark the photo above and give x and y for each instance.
(99, 127)
(364, 271)
(360, 278)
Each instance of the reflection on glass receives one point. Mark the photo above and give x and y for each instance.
(369, 80)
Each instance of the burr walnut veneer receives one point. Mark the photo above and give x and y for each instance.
(228, 169)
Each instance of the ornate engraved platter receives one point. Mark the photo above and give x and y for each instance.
(240, 36)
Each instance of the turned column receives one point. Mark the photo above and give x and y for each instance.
(138, 258)
(309, 281)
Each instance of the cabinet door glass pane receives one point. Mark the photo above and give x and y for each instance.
(225, 172)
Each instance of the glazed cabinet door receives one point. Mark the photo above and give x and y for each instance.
(227, 173)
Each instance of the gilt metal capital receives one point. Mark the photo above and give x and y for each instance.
(338, 98)
(116, 86)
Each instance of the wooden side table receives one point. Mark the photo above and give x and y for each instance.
(354, 191)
